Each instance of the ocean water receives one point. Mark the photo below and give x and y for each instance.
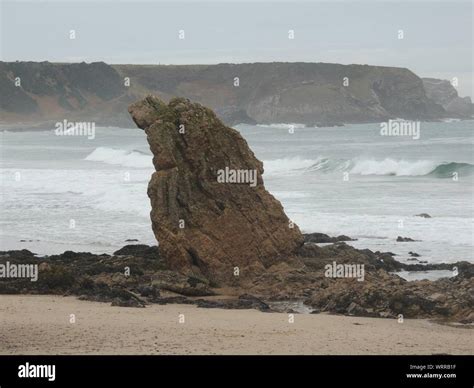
(73, 193)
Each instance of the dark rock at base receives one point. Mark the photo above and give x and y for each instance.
(253, 301)
(465, 269)
(21, 255)
(139, 250)
(413, 254)
(127, 303)
(386, 295)
(173, 300)
(316, 257)
(372, 296)
(103, 292)
(357, 310)
(74, 255)
(423, 265)
(381, 294)
(243, 302)
(324, 238)
(182, 284)
(410, 305)
(149, 291)
(102, 277)
(468, 320)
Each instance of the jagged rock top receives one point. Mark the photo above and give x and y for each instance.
(210, 211)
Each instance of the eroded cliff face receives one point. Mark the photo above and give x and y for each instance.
(210, 211)
(43, 92)
(444, 94)
(309, 93)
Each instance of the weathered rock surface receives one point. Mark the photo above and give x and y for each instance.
(404, 239)
(138, 250)
(380, 294)
(319, 238)
(423, 215)
(444, 94)
(133, 276)
(102, 278)
(205, 225)
(386, 295)
(309, 93)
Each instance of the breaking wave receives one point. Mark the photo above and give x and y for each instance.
(283, 125)
(135, 158)
(389, 167)
(285, 166)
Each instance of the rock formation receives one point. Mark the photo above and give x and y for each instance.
(444, 94)
(322, 94)
(381, 294)
(210, 210)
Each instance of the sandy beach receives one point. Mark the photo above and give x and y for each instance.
(42, 325)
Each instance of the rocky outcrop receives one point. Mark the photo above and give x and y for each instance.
(138, 250)
(321, 94)
(404, 239)
(210, 211)
(135, 281)
(444, 94)
(132, 277)
(423, 215)
(382, 294)
(318, 238)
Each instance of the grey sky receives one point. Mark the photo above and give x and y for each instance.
(438, 36)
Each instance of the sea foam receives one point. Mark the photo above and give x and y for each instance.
(359, 166)
(135, 159)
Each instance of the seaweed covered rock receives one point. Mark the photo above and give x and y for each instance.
(210, 210)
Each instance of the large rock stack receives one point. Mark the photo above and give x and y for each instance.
(211, 213)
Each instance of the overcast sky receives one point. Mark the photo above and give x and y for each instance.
(437, 36)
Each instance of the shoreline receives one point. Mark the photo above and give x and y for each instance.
(138, 276)
(41, 325)
(45, 249)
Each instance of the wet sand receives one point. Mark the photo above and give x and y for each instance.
(42, 325)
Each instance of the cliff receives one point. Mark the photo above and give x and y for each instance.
(42, 92)
(444, 94)
(310, 93)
